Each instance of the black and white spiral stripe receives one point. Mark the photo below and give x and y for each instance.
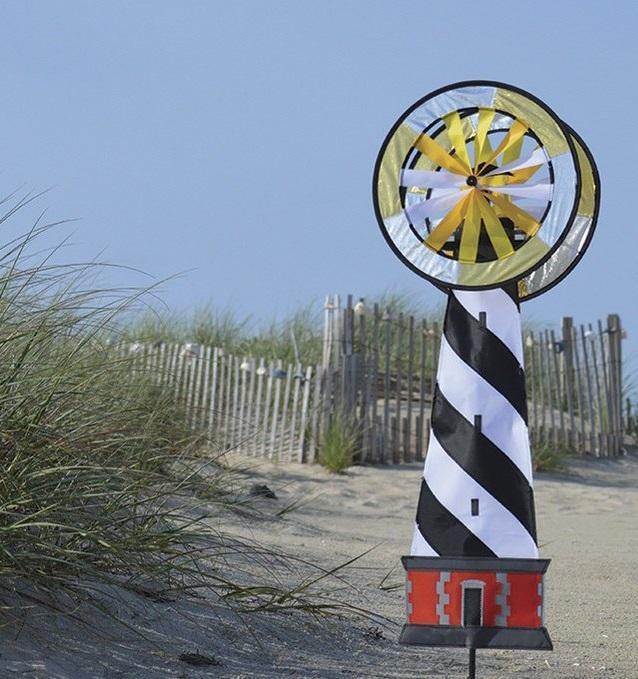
(476, 495)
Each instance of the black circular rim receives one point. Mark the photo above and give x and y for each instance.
(476, 83)
(594, 219)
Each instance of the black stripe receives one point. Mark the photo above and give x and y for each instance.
(485, 353)
(443, 531)
(483, 461)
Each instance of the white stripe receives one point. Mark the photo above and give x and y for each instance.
(435, 193)
(537, 157)
(500, 530)
(420, 546)
(429, 179)
(471, 395)
(501, 315)
(431, 208)
(532, 192)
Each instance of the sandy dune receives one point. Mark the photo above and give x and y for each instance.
(587, 521)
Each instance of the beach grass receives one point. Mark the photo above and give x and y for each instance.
(102, 479)
(339, 444)
(547, 457)
(297, 337)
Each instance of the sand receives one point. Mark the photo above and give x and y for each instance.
(587, 522)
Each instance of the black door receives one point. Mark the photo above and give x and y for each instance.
(472, 606)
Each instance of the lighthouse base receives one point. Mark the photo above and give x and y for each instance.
(475, 602)
(477, 637)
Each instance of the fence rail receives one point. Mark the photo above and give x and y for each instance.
(378, 374)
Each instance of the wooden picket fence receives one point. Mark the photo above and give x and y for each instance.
(380, 369)
(575, 386)
(259, 407)
(631, 420)
(388, 362)
(377, 376)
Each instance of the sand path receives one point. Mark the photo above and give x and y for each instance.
(588, 526)
(587, 521)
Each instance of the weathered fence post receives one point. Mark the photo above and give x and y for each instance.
(614, 333)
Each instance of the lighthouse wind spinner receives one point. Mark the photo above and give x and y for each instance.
(482, 190)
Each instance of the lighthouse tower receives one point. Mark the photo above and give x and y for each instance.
(474, 577)
(482, 190)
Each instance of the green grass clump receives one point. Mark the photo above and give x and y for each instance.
(90, 450)
(339, 444)
(547, 457)
(295, 338)
(102, 480)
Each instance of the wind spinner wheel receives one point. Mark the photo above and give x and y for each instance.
(481, 189)
(479, 184)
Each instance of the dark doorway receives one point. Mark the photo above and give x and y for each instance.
(472, 606)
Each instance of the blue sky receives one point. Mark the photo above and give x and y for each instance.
(235, 141)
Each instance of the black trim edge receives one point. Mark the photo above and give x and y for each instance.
(523, 638)
(472, 563)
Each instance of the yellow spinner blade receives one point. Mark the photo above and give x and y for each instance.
(522, 219)
(516, 177)
(509, 156)
(448, 225)
(437, 154)
(482, 147)
(457, 136)
(471, 231)
(516, 132)
(513, 152)
(500, 242)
